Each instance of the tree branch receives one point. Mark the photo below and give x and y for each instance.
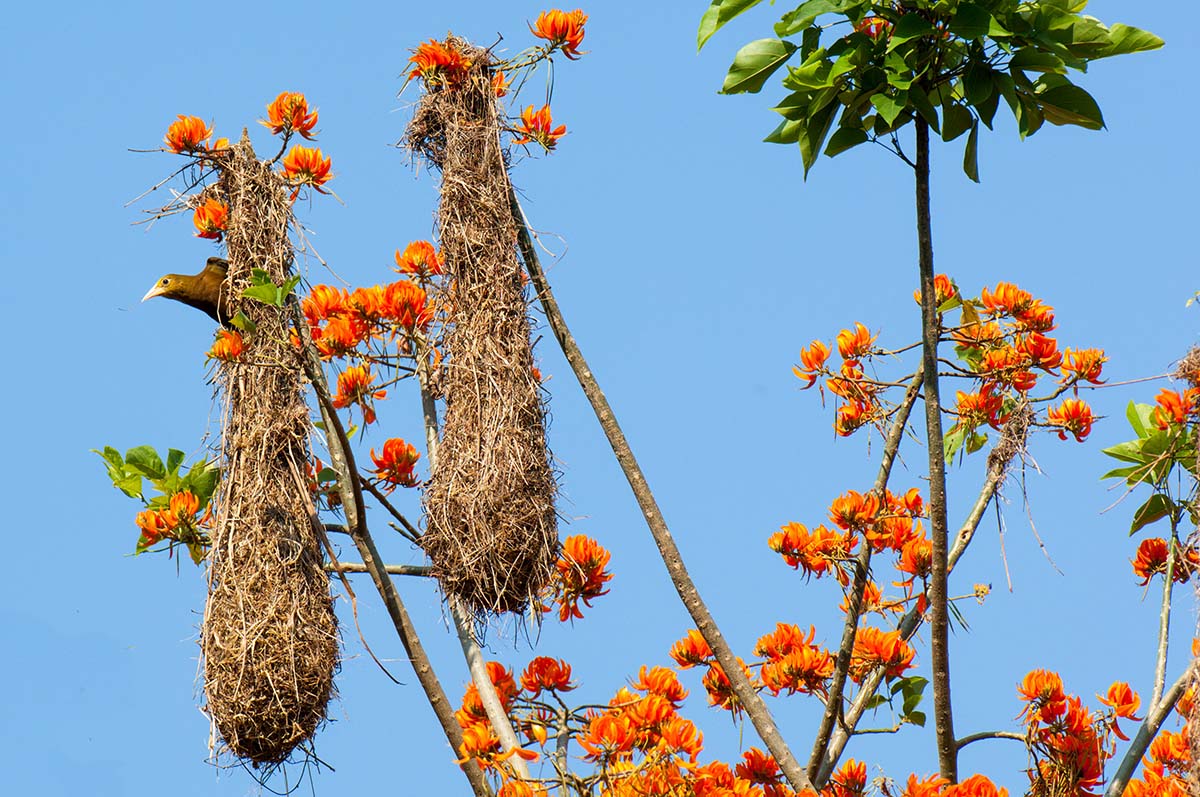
(756, 709)
(862, 567)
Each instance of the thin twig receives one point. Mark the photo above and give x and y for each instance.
(978, 737)
(393, 570)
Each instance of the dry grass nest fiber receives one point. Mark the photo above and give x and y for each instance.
(492, 532)
(269, 636)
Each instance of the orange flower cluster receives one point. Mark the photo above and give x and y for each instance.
(188, 134)
(181, 515)
(538, 126)
(307, 166)
(1175, 408)
(354, 388)
(875, 649)
(479, 740)
(563, 29)
(439, 65)
(228, 346)
(1074, 416)
(419, 259)
(211, 219)
(860, 405)
(579, 575)
(1166, 770)
(395, 465)
(793, 663)
(546, 673)
(817, 553)
(812, 363)
(1152, 560)
(691, 651)
(1083, 365)
(288, 114)
(975, 409)
(1069, 742)
(341, 321)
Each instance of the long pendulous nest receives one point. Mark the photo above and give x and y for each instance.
(269, 637)
(492, 535)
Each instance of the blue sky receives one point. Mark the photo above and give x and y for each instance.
(694, 264)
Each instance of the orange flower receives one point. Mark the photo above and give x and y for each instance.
(184, 505)
(1008, 366)
(849, 781)
(354, 387)
(1083, 364)
(1007, 299)
(538, 126)
(916, 559)
(874, 648)
(1073, 415)
(580, 575)
(187, 134)
(851, 417)
(812, 362)
(438, 64)
(930, 787)
(607, 737)
(405, 304)
(662, 682)
(1041, 350)
(562, 29)
(307, 166)
(851, 384)
(395, 465)
(874, 27)
(691, 650)
(720, 691)
(1042, 691)
(943, 287)
(289, 114)
(978, 336)
(758, 767)
(228, 346)
(974, 786)
(210, 219)
(794, 663)
(680, 735)
(853, 511)
(1171, 750)
(546, 673)
(1175, 407)
(323, 302)
(1124, 702)
(341, 335)
(975, 409)
(1037, 317)
(816, 553)
(156, 524)
(1152, 560)
(853, 345)
(419, 258)
(499, 84)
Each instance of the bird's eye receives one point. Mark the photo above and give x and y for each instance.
(165, 282)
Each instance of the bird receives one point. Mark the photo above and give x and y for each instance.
(204, 291)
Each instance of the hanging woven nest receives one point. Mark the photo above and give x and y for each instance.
(269, 636)
(492, 534)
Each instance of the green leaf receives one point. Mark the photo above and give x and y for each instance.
(956, 120)
(754, 63)
(1129, 451)
(267, 294)
(174, 459)
(131, 485)
(717, 14)
(260, 276)
(920, 101)
(952, 442)
(814, 134)
(146, 461)
(916, 718)
(875, 702)
(788, 132)
(976, 441)
(1031, 59)
(243, 323)
(202, 479)
(970, 21)
(1139, 418)
(327, 475)
(1127, 39)
(1157, 507)
(812, 74)
(803, 15)
(910, 26)
(845, 138)
(971, 154)
(890, 107)
(977, 83)
(1064, 103)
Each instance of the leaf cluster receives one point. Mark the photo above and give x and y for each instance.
(1154, 457)
(876, 66)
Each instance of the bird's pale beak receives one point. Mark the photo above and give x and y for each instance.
(155, 291)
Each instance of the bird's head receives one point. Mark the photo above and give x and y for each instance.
(202, 290)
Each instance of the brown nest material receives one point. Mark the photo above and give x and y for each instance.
(1188, 368)
(492, 534)
(269, 637)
